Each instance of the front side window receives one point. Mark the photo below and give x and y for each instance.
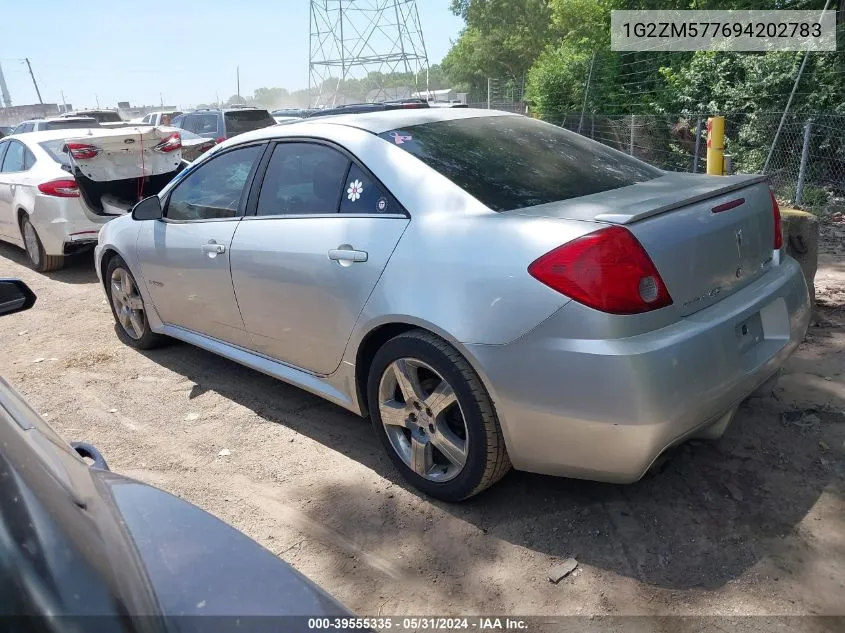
(15, 158)
(215, 189)
(511, 162)
(302, 179)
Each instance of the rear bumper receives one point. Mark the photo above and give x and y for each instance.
(63, 225)
(606, 409)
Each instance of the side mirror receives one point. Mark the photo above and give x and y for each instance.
(15, 296)
(147, 209)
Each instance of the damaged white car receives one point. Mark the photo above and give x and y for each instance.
(58, 188)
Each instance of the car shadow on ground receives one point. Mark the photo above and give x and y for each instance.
(714, 511)
(77, 269)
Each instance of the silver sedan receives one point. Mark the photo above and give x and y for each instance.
(491, 290)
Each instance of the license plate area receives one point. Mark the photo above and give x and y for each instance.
(749, 333)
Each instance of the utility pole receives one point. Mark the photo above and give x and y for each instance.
(64, 104)
(160, 100)
(34, 83)
(239, 81)
(97, 99)
(4, 91)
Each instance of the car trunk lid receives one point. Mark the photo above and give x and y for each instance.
(126, 153)
(707, 236)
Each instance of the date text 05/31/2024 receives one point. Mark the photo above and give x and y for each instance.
(418, 624)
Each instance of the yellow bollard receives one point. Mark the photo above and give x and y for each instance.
(716, 146)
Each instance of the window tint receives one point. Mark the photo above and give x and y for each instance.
(14, 159)
(27, 127)
(241, 121)
(362, 195)
(302, 178)
(3, 147)
(204, 123)
(215, 189)
(510, 162)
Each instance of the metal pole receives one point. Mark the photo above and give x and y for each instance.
(64, 104)
(586, 92)
(631, 147)
(4, 91)
(238, 74)
(34, 83)
(789, 101)
(716, 146)
(489, 93)
(697, 146)
(802, 169)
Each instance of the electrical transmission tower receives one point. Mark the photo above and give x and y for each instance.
(379, 43)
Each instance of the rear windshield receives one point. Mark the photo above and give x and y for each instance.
(241, 121)
(60, 124)
(105, 117)
(54, 149)
(511, 162)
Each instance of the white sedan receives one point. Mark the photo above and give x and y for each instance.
(59, 187)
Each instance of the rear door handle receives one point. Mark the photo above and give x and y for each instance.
(213, 248)
(347, 255)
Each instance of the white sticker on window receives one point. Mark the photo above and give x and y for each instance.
(381, 205)
(356, 188)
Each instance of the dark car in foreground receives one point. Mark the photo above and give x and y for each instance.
(78, 541)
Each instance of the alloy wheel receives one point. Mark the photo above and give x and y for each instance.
(128, 305)
(30, 239)
(423, 420)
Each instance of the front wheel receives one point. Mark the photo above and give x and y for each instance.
(435, 418)
(127, 305)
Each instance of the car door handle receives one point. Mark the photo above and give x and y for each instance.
(213, 248)
(347, 255)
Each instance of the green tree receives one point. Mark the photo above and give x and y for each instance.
(502, 38)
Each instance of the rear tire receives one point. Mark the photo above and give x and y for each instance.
(127, 306)
(442, 432)
(41, 261)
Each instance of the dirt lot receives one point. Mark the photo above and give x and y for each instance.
(751, 524)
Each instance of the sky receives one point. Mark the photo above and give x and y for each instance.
(183, 54)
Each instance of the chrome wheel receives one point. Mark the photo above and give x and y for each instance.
(30, 240)
(128, 305)
(423, 420)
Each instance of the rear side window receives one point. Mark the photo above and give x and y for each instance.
(362, 195)
(512, 162)
(28, 159)
(15, 158)
(302, 179)
(240, 121)
(203, 123)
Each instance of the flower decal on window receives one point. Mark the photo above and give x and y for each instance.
(356, 188)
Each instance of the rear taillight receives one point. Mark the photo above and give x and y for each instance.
(170, 144)
(220, 140)
(82, 151)
(63, 188)
(778, 242)
(608, 270)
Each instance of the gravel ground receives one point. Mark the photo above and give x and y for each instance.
(751, 524)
